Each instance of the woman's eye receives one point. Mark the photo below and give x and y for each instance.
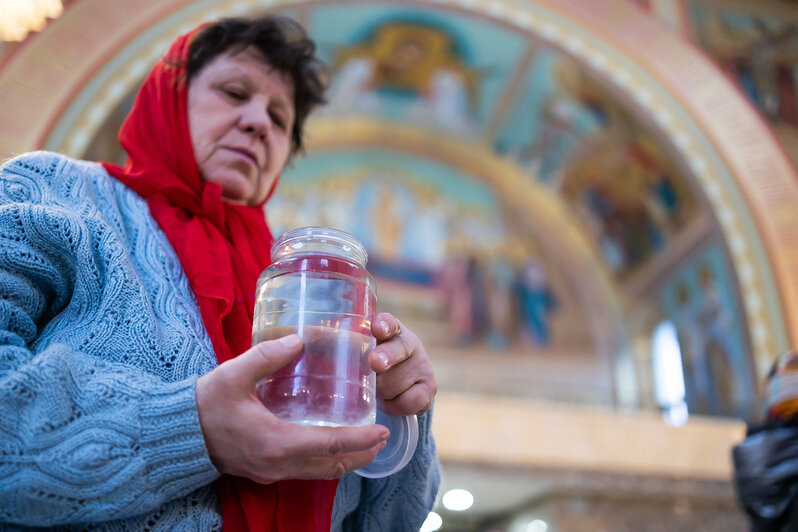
(279, 121)
(235, 94)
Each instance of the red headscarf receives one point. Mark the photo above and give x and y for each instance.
(223, 249)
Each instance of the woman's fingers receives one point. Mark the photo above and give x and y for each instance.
(243, 438)
(263, 359)
(398, 347)
(338, 466)
(385, 326)
(415, 400)
(323, 442)
(405, 380)
(398, 379)
(320, 453)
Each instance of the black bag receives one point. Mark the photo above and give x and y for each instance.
(766, 477)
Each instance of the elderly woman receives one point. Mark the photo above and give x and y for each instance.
(127, 381)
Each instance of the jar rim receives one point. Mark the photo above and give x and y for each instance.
(327, 239)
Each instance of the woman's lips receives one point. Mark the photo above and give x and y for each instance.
(246, 153)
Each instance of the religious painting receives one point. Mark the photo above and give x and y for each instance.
(445, 71)
(446, 255)
(716, 360)
(588, 146)
(758, 51)
(556, 119)
(406, 69)
(630, 197)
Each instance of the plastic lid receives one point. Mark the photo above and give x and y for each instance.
(399, 448)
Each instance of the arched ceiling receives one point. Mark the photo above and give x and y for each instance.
(533, 95)
(549, 220)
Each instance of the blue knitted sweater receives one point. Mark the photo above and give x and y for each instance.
(101, 343)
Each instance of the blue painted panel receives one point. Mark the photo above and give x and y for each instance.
(701, 300)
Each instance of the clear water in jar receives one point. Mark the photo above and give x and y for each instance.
(330, 383)
(328, 302)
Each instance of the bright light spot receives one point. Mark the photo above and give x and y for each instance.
(669, 374)
(458, 500)
(22, 16)
(537, 526)
(432, 523)
(676, 415)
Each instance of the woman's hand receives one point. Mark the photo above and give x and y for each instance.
(245, 439)
(405, 381)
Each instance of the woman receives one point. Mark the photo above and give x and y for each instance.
(126, 298)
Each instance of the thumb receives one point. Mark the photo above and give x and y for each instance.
(264, 358)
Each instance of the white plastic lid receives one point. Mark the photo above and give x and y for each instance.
(399, 448)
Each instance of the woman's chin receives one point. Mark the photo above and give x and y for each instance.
(239, 188)
(235, 189)
(237, 196)
(234, 201)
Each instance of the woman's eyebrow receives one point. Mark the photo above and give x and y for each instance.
(235, 71)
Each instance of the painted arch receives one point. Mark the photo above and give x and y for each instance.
(706, 125)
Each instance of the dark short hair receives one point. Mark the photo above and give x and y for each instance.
(287, 48)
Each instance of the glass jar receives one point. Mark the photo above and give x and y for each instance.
(318, 288)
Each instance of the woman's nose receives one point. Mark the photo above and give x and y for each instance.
(255, 119)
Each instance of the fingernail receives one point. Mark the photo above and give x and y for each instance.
(383, 358)
(291, 341)
(385, 435)
(384, 326)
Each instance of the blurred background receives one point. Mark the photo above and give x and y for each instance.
(587, 210)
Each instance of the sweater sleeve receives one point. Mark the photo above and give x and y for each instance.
(399, 502)
(82, 439)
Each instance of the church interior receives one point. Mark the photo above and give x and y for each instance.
(586, 210)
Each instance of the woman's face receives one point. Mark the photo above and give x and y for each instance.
(240, 115)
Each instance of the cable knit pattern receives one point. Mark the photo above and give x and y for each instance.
(101, 343)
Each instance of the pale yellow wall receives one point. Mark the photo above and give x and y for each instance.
(506, 432)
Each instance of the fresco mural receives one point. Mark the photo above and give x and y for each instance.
(700, 300)
(445, 250)
(629, 196)
(755, 44)
(588, 146)
(460, 76)
(443, 71)
(757, 50)
(418, 71)
(463, 77)
(442, 250)
(544, 138)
